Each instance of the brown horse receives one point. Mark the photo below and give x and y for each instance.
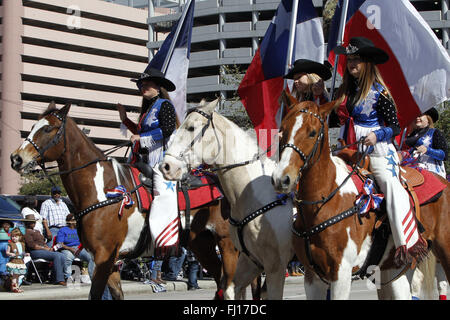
(86, 173)
(329, 243)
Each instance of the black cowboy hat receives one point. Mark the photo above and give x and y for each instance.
(364, 48)
(157, 77)
(309, 66)
(433, 113)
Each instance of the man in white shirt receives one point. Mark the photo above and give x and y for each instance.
(54, 212)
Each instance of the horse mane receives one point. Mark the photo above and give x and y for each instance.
(52, 108)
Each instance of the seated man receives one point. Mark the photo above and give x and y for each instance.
(38, 249)
(69, 243)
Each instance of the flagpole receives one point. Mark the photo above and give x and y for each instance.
(290, 50)
(175, 37)
(339, 42)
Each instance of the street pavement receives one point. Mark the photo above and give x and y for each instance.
(36, 291)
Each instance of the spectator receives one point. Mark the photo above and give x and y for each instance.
(38, 249)
(427, 143)
(192, 270)
(54, 212)
(29, 207)
(16, 266)
(175, 266)
(156, 276)
(6, 225)
(69, 243)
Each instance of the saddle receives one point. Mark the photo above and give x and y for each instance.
(193, 191)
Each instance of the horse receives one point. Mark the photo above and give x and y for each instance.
(260, 222)
(86, 172)
(329, 238)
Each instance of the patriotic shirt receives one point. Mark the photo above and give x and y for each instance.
(434, 141)
(376, 113)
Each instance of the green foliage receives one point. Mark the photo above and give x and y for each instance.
(232, 75)
(33, 185)
(443, 124)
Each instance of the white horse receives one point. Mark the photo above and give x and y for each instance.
(265, 242)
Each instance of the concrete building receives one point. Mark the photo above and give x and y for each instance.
(86, 51)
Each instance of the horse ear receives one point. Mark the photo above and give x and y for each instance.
(288, 100)
(210, 107)
(202, 103)
(64, 110)
(51, 106)
(326, 108)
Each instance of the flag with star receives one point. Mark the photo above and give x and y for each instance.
(261, 86)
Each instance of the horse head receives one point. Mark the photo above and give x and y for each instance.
(303, 130)
(46, 141)
(195, 142)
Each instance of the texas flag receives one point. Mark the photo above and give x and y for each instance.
(263, 82)
(418, 70)
(175, 51)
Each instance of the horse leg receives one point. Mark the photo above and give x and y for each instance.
(102, 271)
(246, 271)
(340, 289)
(115, 288)
(395, 290)
(275, 282)
(441, 281)
(203, 245)
(230, 257)
(315, 288)
(256, 288)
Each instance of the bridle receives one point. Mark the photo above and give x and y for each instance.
(53, 142)
(319, 139)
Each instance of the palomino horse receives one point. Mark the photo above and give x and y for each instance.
(86, 173)
(332, 249)
(261, 223)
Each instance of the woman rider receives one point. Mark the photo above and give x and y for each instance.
(365, 109)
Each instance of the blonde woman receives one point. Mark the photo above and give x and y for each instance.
(366, 110)
(309, 77)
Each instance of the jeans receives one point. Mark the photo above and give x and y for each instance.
(54, 232)
(193, 267)
(83, 255)
(57, 258)
(155, 266)
(175, 265)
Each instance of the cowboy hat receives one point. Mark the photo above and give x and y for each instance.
(433, 113)
(30, 217)
(365, 48)
(309, 66)
(157, 77)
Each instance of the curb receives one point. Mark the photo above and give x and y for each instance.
(81, 291)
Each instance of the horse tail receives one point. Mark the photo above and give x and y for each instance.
(428, 268)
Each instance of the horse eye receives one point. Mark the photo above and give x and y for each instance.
(190, 129)
(312, 134)
(47, 129)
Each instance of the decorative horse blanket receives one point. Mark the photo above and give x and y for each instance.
(168, 229)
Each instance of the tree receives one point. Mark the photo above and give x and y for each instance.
(232, 75)
(34, 185)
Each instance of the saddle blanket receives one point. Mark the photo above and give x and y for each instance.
(426, 191)
(200, 196)
(197, 197)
